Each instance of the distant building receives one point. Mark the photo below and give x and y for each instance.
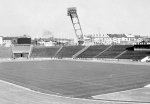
(45, 42)
(1, 40)
(138, 39)
(98, 39)
(108, 39)
(7, 41)
(63, 41)
(54, 41)
(118, 38)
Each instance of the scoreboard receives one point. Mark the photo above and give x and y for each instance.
(24, 40)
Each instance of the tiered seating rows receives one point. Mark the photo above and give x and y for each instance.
(69, 51)
(113, 51)
(92, 51)
(135, 55)
(43, 52)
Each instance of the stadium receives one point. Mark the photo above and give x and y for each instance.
(75, 73)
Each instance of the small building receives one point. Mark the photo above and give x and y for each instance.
(22, 48)
(21, 51)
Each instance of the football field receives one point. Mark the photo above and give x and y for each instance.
(75, 78)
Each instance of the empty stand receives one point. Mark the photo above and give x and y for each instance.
(80, 52)
(120, 54)
(58, 51)
(113, 51)
(134, 55)
(44, 52)
(68, 51)
(102, 51)
(5, 52)
(92, 51)
(96, 51)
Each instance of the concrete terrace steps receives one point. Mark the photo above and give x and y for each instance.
(92, 51)
(44, 52)
(103, 51)
(113, 51)
(31, 48)
(68, 51)
(120, 54)
(134, 55)
(81, 51)
(58, 51)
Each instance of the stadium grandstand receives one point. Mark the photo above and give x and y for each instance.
(68, 51)
(26, 50)
(134, 55)
(95, 51)
(92, 51)
(113, 51)
(44, 52)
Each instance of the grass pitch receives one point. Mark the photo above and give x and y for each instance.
(75, 78)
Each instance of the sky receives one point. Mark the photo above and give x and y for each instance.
(33, 17)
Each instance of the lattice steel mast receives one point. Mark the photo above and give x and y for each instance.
(72, 12)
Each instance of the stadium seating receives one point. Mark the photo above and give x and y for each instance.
(68, 51)
(134, 55)
(113, 51)
(96, 51)
(44, 52)
(92, 51)
(5, 52)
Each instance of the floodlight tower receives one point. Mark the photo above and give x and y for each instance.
(72, 12)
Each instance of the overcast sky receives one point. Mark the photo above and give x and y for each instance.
(32, 17)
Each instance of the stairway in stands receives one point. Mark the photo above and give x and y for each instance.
(68, 51)
(81, 51)
(92, 51)
(120, 54)
(30, 52)
(58, 51)
(113, 51)
(134, 55)
(102, 51)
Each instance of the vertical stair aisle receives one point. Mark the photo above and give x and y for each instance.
(81, 51)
